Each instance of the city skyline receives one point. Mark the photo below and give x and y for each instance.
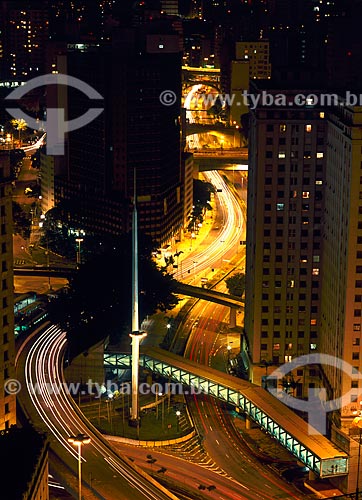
(241, 121)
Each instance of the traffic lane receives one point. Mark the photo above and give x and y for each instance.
(223, 447)
(50, 410)
(187, 474)
(233, 456)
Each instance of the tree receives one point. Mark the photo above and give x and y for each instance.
(22, 221)
(56, 234)
(236, 284)
(98, 303)
(19, 124)
(289, 384)
(202, 193)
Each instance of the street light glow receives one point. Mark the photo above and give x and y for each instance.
(78, 441)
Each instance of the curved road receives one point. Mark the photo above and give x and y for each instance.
(47, 404)
(226, 239)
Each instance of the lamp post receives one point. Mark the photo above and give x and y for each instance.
(194, 263)
(79, 241)
(357, 424)
(229, 349)
(178, 413)
(78, 441)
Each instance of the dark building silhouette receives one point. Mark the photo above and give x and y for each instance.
(24, 458)
(24, 34)
(135, 132)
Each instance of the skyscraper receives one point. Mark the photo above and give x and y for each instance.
(285, 209)
(136, 131)
(341, 305)
(24, 27)
(7, 401)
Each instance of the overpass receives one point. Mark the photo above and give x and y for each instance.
(53, 272)
(231, 301)
(200, 128)
(224, 299)
(219, 158)
(315, 451)
(192, 75)
(235, 303)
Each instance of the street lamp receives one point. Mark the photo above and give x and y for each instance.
(191, 238)
(79, 241)
(178, 413)
(78, 441)
(229, 352)
(357, 424)
(194, 264)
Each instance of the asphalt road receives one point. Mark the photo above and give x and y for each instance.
(106, 475)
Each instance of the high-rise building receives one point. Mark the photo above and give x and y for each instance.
(341, 319)
(340, 326)
(24, 27)
(257, 54)
(284, 233)
(147, 138)
(136, 131)
(7, 401)
(170, 7)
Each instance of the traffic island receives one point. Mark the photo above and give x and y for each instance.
(161, 422)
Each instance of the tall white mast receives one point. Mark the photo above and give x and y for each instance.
(136, 335)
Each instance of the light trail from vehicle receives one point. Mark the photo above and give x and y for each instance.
(227, 238)
(50, 397)
(36, 145)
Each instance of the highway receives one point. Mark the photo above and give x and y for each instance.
(207, 345)
(188, 475)
(228, 230)
(47, 405)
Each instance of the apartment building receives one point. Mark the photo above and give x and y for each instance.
(7, 341)
(341, 307)
(284, 233)
(257, 54)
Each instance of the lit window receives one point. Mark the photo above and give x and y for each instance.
(291, 284)
(287, 359)
(319, 183)
(315, 271)
(160, 46)
(280, 206)
(281, 154)
(321, 114)
(313, 346)
(305, 194)
(308, 128)
(283, 128)
(276, 347)
(320, 155)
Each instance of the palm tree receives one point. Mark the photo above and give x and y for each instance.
(19, 124)
(177, 255)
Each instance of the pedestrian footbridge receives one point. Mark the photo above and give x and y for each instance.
(315, 451)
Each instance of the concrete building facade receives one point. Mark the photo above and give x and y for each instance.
(7, 341)
(284, 233)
